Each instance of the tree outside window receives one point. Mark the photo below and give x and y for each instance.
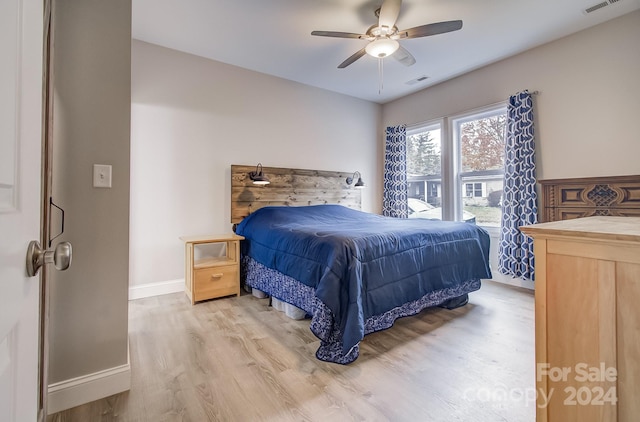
(424, 161)
(423, 154)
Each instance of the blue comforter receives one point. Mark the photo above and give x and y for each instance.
(363, 264)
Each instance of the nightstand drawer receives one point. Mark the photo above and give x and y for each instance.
(216, 282)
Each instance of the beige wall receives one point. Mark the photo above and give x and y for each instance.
(88, 315)
(587, 108)
(192, 118)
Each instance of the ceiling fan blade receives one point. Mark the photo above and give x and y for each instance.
(430, 29)
(404, 57)
(338, 34)
(389, 12)
(352, 58)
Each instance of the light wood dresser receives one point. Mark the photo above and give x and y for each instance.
(587, 313)
(564, 199)
(210, 277)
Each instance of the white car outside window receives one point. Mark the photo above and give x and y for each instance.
(421, 209)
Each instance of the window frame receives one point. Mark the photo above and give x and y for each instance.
(482, 189)
(455, 122)
(451, 159)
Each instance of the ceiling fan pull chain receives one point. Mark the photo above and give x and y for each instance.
(380, 76)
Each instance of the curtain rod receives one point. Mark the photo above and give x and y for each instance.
(536, 92)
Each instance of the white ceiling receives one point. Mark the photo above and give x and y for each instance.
(274, 36)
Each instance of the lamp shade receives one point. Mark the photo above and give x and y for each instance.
(359, 183)
(258, 177)
(260, 180)
(382, 47)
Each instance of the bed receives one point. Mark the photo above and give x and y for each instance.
(353, 272)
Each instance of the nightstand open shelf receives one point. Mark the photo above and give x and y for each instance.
(212, 277)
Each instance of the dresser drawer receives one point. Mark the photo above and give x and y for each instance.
(215, 282)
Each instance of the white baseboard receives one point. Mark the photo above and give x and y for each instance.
(512, 281)
(156, 289)
(87, 388)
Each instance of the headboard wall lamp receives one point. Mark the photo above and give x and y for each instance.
(359, 183)
(258, 177)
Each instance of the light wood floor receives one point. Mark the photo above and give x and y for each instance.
(236, 359)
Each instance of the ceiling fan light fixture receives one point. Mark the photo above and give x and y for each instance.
(382, 47)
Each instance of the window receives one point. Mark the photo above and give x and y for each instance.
(479, 139)
(433, 190)
(474, 190)
(457, 163)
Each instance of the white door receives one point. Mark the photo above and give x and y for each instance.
(21, 32)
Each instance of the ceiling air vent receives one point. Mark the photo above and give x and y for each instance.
(416, 80)
(599, 6)
(596, 7)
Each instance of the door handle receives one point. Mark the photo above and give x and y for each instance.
(37, 257)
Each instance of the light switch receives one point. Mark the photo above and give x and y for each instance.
(101, 176)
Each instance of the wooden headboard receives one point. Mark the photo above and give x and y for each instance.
(289, 187)
(564, 199)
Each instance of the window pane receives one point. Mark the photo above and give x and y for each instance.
(477, 189)
(424, 174)
(468, 189)
(481, 143)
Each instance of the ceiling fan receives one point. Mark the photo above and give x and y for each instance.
(384, 36)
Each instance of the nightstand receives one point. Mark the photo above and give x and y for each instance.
(208, 276)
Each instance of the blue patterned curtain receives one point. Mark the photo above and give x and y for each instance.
(519, 196)
(394, 201)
